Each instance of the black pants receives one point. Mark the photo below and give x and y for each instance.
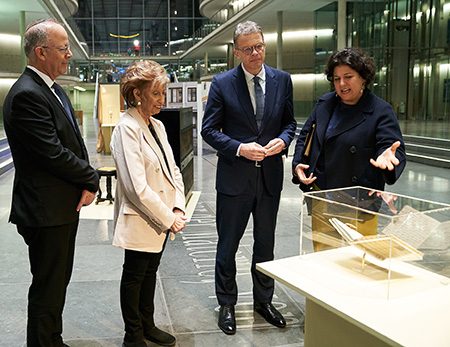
(51, 252)
(137, 292)
(233, 213)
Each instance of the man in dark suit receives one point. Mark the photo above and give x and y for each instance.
(250, 122)
(53, 178)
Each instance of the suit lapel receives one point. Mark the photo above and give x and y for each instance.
(53, 97)
(270, 95)
(240, 86)
(349, 121)
(323, 117)
(71, 117)
(150, 140)
(68, 116)
(46, 90)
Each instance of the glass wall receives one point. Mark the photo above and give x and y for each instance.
(111, 70)
(147, 27)
(409, 40)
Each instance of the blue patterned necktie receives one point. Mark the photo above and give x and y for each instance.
(63, 97)
(259, 101)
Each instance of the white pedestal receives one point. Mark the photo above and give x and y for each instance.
(346, 306)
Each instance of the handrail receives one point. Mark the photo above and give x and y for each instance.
(221, 16)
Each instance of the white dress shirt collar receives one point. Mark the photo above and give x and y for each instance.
(48, 81)
(249, 76)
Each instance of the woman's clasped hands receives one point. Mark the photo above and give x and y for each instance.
(179, 222)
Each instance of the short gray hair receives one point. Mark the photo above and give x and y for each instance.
(140, 75)
(36, 35)
(246, 28)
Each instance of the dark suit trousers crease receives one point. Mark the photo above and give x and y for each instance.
(233, 213)
(51, 253)
(137, 292)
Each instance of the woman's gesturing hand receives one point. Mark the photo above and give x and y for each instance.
(387, 159)
(300, 173)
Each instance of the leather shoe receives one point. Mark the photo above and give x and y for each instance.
(160, 337)
(227, 319)
(270, 314)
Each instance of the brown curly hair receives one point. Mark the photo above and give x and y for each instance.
(356, 59)
(140, 75)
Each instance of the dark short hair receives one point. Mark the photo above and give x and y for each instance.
(246, 28)
(356, 59)
(36, 35)
(140, 75)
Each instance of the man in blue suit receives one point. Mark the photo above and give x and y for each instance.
(53, 178)
(249, 121)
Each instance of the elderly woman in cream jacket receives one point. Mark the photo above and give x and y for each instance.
(149, 201)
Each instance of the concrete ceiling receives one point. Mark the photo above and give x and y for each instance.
(297, 15)
(10, 12)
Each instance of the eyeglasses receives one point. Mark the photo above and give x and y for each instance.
(65, 48)
(249, 50)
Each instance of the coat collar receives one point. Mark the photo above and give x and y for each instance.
(326, 106)
(366, 104)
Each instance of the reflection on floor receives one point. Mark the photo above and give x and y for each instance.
(102, 210)
(185, 301)
(429, 128)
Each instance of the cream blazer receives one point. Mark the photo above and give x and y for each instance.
(146, 191)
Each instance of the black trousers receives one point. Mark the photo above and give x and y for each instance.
(137, 292)
(233, 213)
(51, 253)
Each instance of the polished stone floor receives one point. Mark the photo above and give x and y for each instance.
(185, 302)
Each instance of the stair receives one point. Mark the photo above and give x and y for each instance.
(421, 149)
(428, 150)
(6, 162)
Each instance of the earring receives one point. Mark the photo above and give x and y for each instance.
(139, 103)
(362, 89)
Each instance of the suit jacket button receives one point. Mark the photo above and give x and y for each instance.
(354, 179)
(352, 149)
(157, 169)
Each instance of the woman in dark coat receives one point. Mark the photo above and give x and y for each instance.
(357, 139)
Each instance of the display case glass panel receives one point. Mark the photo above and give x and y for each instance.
(382, 239)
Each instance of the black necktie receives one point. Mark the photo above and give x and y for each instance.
(63, 97)
(155, 136)
(259, 101)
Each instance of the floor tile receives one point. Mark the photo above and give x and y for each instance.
(185, 299)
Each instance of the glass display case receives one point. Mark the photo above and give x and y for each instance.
(387, 244)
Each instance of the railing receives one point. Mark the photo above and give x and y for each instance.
(221, 16)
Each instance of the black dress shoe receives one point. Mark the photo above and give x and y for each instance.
(270, 314)
(160, 337)
(227, 319)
